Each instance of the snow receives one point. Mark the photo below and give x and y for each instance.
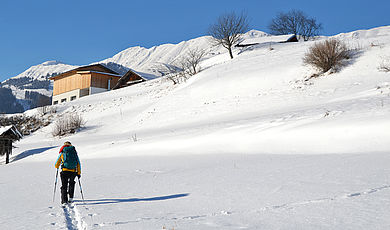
(245, 144)
(4, 129)
(37, 73)
(48, 67)
(146, 60)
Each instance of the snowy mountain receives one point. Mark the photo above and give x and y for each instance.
(147, 59)
(247, 143)
(143, 60)
(36, 77)
(34, 81)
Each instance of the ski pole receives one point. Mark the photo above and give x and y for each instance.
(81, 190)
(55, 186)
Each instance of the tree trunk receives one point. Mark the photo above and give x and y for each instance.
(230, 52)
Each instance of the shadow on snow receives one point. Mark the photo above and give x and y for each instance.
(31, 152)
(114, 201)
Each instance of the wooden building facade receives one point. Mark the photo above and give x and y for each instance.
(83, 81)
(8, 134)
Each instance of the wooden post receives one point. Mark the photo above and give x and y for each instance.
(7, 158)
(8, 150)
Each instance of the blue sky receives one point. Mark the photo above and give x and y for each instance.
(84, 31)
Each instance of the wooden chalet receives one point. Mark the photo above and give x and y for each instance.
(130, 78)
(8, 134)
(83, 81)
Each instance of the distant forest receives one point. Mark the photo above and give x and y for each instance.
(36, 99)
(28, 83)
(8, 102)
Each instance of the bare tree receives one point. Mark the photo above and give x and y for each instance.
(171, 71)
(190, 63)
(295, 22)
(310, 28)
(326, 55)
(228, 30)
(184, 67)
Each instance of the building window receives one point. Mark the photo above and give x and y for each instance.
(73, 98)
(63, 100)
(55, 102)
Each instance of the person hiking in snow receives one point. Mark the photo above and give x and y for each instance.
(70, 165)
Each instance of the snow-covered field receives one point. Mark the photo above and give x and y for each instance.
(245, 144)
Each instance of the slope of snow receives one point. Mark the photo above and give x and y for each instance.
(245, 144)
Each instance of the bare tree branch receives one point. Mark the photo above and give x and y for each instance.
(191, 62)
(228, 30)
(184, 67)
(171, 71)
(295, 22)
(385, 65)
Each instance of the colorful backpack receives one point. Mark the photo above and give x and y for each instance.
(70, 157)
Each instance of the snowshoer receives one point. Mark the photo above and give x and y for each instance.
(70, 165)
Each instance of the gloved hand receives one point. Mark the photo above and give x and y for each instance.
(78, 176)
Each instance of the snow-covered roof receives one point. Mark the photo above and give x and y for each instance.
(4, 129)
(86, 68)
(145, 76)
(90, 71)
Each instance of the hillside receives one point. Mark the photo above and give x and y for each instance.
(144, 60)
(247, 143)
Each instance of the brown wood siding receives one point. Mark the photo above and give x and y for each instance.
(114, 81)
(101, 81)
(134, 77)
(71, 82)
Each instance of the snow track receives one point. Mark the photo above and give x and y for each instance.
(329, 199)
(73, 218)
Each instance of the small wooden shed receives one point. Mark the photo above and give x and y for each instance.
(8, 134)
(130, 78)
(293, 38)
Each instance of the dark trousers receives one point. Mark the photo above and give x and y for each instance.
(67, 188)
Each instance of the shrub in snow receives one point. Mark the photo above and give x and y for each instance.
(385, 65)
(134, 137)
(47, 110)
(327, 55)
(68, 124)
(25, 124)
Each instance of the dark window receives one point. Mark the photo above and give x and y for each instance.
(73, 98)
(63, 100)
(55, 102)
